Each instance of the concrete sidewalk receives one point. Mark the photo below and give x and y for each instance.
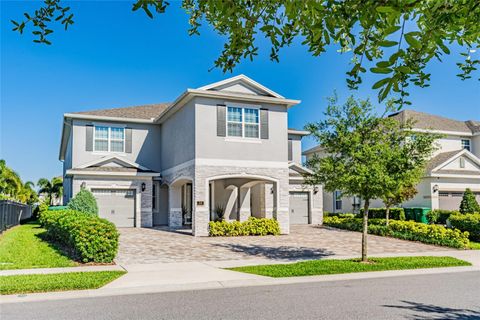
(165, 277)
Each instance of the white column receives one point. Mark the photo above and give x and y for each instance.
(175, 206)
(269, 200)
(244, 198)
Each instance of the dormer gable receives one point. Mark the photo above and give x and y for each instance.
(243, 85)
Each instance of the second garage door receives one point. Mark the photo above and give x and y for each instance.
(116, 205)
(299, 207)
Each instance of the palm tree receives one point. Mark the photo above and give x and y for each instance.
(52, 188)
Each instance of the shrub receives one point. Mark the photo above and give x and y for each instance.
(406, 230)
(469, 204)
(439, 216)
(85, 202)
(380, 213)
(467, 222)
(339, 214)
(251, 227)
(89, 237)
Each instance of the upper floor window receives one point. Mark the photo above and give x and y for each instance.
(466, 144)
(243, 122)
(109, 139)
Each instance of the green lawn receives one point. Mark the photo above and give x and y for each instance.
(332, 266)
(21, 247)
(474, 245)
(57, 281)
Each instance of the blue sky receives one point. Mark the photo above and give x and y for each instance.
(113, 57)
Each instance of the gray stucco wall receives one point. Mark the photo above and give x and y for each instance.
(146, 144)
(209, 145)
(296, 148)
(178, 137)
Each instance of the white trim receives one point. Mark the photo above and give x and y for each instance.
(109, 137)
(240, 163)
(453, 133)
(115, 174)
(110, 158)
(445, 175)
(244, 78)
(462, 152)
(105, 118)
(298, 132)
(240, 139)
(298, 166)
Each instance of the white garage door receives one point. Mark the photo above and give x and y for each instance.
(299, 207)
(116, 205)
(449, 200)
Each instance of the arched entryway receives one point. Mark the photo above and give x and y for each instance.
(240, 197)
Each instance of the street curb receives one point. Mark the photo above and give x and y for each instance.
(15, 272)
(265, 281)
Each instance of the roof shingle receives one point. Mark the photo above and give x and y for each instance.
(149, 111)
(431, 122)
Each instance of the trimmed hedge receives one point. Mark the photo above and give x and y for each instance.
(440, 216)
(406, 230)
(85, 202)
(380, 213)
(91, 239)
(467, 222)
(251, 227)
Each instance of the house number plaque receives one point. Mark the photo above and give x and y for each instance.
(200, 203)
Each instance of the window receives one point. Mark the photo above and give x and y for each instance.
(338, 200)
(154, 197)
(243, 122)
(109, 139)
(356, 204)
(466, 144)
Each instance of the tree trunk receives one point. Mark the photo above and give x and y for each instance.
(387, 214)
(365, 230)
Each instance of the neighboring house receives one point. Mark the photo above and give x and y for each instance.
(225, 145)
(454, 167)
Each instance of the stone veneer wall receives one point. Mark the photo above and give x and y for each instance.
(143, 211)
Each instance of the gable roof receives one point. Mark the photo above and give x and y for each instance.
(146, 112)
(245, 80)
(441, 158)
(427, 121)
(122, 166)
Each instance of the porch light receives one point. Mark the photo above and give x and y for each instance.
(271, 190)
(143, 186)
(315, 190)
(435, 188)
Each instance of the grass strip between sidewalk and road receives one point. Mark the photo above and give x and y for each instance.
(23, 247)
(56, 281)
(336, 266)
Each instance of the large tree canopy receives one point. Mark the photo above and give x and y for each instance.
(396, 39)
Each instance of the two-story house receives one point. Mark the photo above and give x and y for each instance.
(454, 167)
(224, 147)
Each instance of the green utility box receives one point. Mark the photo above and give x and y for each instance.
(409, 214)
(55, 208)
(421, 214)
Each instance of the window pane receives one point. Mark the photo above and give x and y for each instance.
(101, 132)
(251, 115)
(117, 133)
(234, 114)
(251, 130)
(235, 129)
(101, 145)
(116, 146)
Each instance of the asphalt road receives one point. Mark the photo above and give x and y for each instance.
(441, 296)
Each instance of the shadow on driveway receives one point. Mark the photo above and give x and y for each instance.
(430, 311)
(276, 253)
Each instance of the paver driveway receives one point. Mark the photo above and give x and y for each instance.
(159, 245)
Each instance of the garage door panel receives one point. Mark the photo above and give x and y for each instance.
(449, 200)
(299, 206)
(116, 205)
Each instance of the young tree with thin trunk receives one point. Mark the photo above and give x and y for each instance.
(356, 147)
